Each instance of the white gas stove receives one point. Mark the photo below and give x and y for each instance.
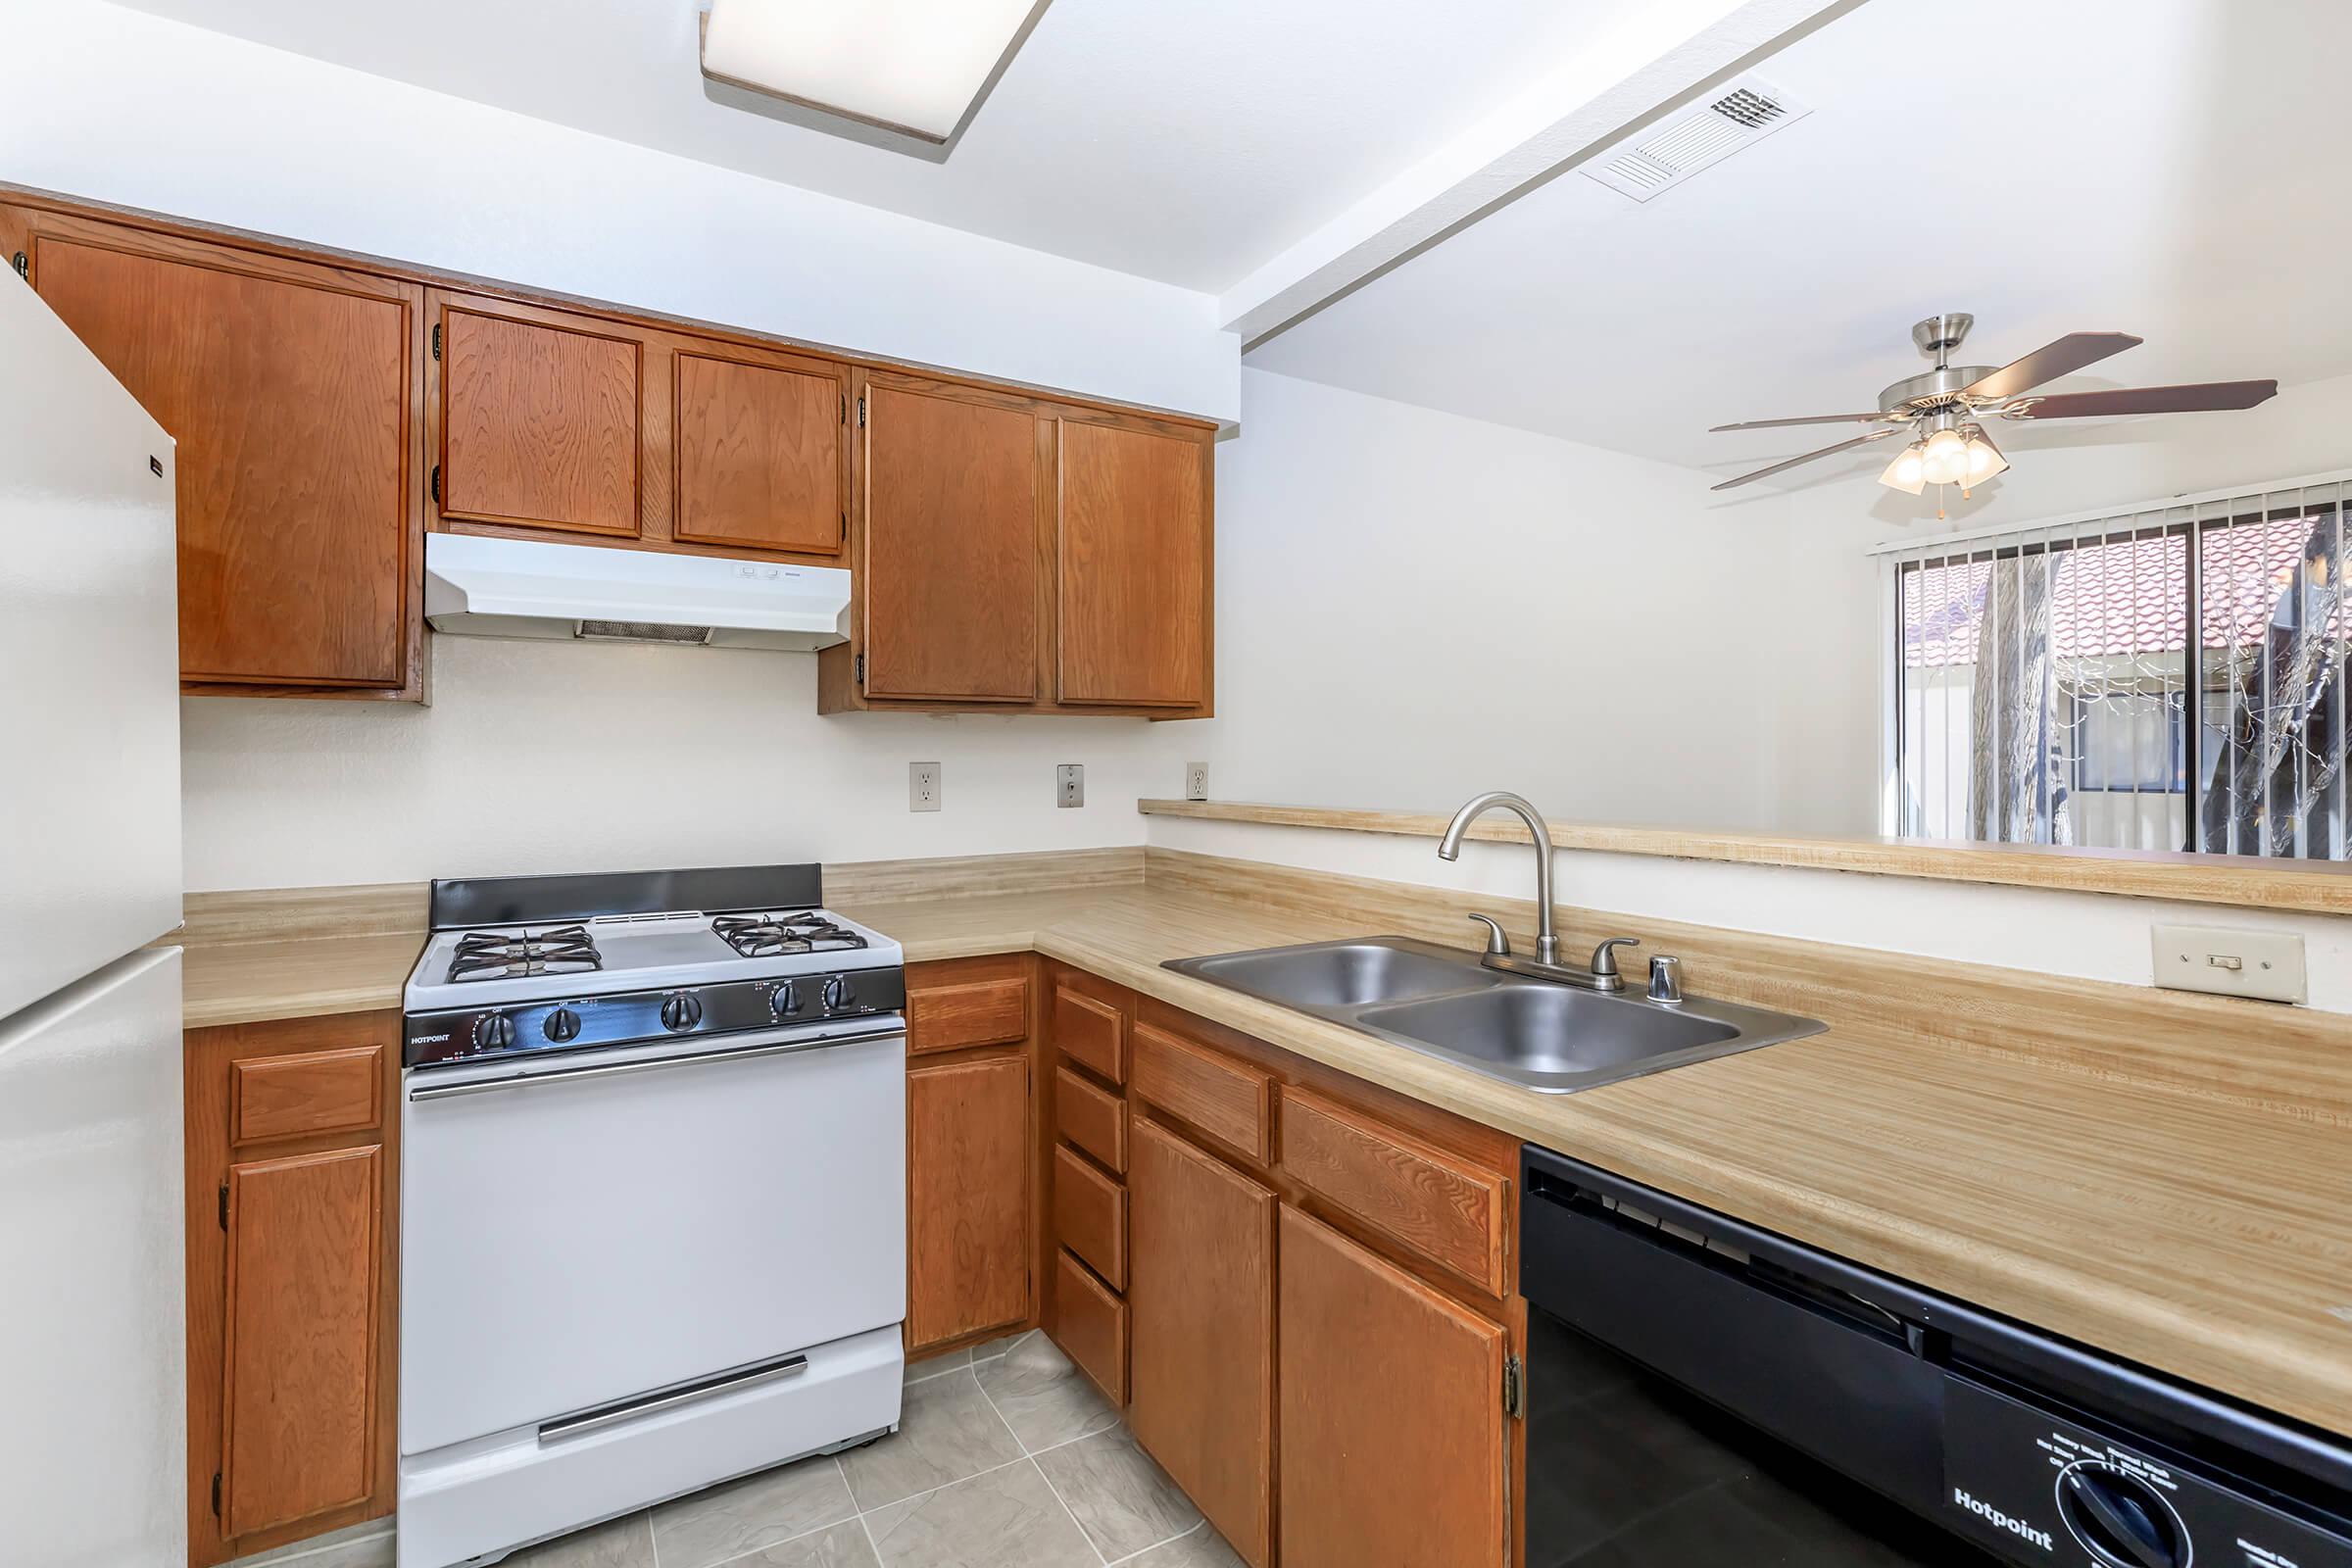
(653, 1197)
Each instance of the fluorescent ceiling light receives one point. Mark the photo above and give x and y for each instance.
(911, 66)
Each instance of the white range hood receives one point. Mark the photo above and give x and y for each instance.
(487, 587)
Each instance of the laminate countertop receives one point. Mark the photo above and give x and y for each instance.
(2199, 1234)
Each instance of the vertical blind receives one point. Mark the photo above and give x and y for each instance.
(2164, 679)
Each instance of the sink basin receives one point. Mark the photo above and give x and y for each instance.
(1539, 1034)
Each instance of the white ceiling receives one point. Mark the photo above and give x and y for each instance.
(1183, 143)
(2172, 168)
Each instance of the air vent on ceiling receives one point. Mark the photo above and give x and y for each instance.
(1740, 116)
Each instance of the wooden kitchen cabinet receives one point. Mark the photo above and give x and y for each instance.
(292, 1250)
(1132, 566)
(291, 388)
(1394, 1446)
(541, 421)
(762, 457)
(1200, 1314)
(970, 1148)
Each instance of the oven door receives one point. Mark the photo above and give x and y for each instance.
(595, 1226)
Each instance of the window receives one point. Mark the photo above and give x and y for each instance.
(2169, 679)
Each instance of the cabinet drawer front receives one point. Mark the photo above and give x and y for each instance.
(1219, 1097)
(1091, 1118)
(1090, 1216)
(977, 1012)
(1091, 1033)
(297, 1097)
(1448, 1213)
(1092, 1326)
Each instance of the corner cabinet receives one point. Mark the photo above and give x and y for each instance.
(1018, 554)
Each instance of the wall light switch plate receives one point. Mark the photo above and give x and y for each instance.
(2267, 965)
(922, 786)
(1195, 781)
(1069, 784)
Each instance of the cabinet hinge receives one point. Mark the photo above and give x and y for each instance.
(860, 411)
(860, 662)
(436, 340)
(436, 484)
(845, 408)
(224, 1205)
(22, 263)
(1514, 1388)
(215, 1493)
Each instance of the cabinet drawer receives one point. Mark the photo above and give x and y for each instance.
(1448, 1213)
(1218, 1095)
(1091, 1118)
(1091, 1033)
(302, 1096)
(1090, 1216)
(974, 1013)
(1092, 1326)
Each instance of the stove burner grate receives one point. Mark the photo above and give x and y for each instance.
(513, 955)
(769, 935)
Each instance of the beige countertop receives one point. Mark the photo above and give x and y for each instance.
(2196, 1232)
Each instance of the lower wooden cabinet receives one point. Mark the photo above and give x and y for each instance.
(969, 1152)
(1392, 1419)
(1201, 1313)
(292, 1182)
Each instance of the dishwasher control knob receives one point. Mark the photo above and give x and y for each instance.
(839, 995)
(493, 1031)
(561, 1024)
(2120, 1518)
(786, 1000)
(680, 1012)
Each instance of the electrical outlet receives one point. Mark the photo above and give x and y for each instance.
(1069, 784)
(1195, 781)
(922, 786)
(2264, 964)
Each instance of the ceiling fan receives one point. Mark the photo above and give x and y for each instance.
(1942, 410)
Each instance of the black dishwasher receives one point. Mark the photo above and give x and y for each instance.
(1702, 1392)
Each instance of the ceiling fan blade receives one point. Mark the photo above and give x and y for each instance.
(1814, 419)
(2195, 399)
(2062, 356)
(1807, 457)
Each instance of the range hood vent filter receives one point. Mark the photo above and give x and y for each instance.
(1742, 116)
(482, 586)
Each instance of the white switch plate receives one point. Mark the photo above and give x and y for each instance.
(1069, 784)
(922, 786)
(1195, 781)
(2264, 964)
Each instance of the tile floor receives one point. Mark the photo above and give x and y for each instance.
(1006, 1457)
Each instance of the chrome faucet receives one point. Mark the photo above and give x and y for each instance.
(1449, 847)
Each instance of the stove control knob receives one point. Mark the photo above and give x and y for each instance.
(786, 1000)
(680, 1012)
(839, 995)
(493, 1031)
(561, 1024)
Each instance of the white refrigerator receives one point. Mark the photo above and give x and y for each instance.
(93, 1381)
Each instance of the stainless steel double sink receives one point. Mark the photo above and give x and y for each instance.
(1539, 1034)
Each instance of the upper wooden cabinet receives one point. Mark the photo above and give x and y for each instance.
(291, 389)
(561, 424)
(1132, 566)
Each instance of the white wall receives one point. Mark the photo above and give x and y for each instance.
(122, 107)
(573, 756)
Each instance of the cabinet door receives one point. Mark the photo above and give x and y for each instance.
(289, 390)
(1392, 1438)
(950, 545)
(299, 1406)
(540, 418)
(1200, 1337)
(761, 460)
(1132, 564)
(968, 1153)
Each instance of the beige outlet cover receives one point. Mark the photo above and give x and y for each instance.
(2264, 964)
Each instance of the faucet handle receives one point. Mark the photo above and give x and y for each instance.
(1604, 961)
(1665, 978)
(1498, 946)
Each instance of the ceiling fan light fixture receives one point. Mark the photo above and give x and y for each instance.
(1905, 473)
(1944, 457)
(1984, 459)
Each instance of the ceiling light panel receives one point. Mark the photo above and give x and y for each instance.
(912, 65)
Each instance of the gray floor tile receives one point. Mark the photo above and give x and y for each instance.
(946, 1431)
(1008, 1518)
(951, 1361)
(774, 1505)
(841, 1546)
(622, 1543)
(1203, 1548)
(1122, 1501)
(993, 1349)
(362, 1546)
(1043, 1396)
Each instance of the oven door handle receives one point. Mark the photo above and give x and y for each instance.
(419, 1092)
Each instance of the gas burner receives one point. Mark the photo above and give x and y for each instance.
(511, 955)
(760, 936)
